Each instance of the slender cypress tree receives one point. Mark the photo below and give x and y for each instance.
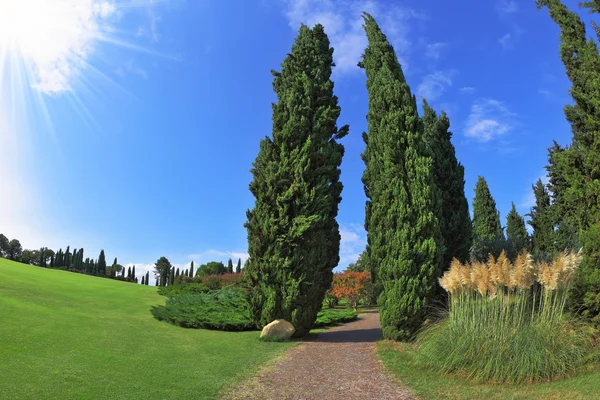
(403, 233)
(542, 222)
(147, 277)
(191, 269)
(128, 272)
(101, 268)
(582, 63)
(516, 233)
(133, 272)
(230, 266)
(455, 221)
(293, 237)
(143, 283)
(238, 268)
(488, 237)
(52, 261)
(177, 273)
(67, 258)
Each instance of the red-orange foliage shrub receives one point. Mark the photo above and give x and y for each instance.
(351, 286)
(218, 281)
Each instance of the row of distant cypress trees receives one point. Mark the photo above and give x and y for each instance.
(417, 215)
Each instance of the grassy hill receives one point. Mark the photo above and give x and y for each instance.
(70, 336)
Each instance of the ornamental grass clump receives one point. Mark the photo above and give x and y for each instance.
(506, 322)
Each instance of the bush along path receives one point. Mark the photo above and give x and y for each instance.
(336, 364)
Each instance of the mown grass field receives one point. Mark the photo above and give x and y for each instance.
(69, 336)
(400, 361)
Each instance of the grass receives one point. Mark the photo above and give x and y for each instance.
(403, 362)
(70, 336)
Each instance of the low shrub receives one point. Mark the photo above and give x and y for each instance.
(330, 318)
(506, 323)
(200, 284)
(226, 310)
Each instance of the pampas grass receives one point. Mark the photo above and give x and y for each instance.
(506, 322)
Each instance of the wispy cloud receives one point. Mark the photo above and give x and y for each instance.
(343, 24)
(434, 50)
(467, 90)
(529, 198)
(509, 40)
(488, 120)
(218, 255)
(353, 243)
(435, 84)
(506, 7)
(130, 67)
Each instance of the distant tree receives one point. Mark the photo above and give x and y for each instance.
(52, 261)
(352, 286)
(147, 278)
(143, 280)
(542, 222)
(133, 273)
(238, 268)
(172, 277)
(162, 270)
(191, 269)
(101, 268)
(4, 246)
(230, 266)
(27, 256)
(128, 272)
(67, 258)
(211, 268)
(361, 264)
(517, 237)
(488, 236)
(14, 250)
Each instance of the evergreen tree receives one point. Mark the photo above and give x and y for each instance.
(42, 258)
(133, 272)
(148, 278)
(177, 273)
(293, 237)
(172, 277)
(128, 272)
(156, 283)
(58, 261)
(230, 266)
(191, 269)
(516, 233)
(162, 270)
(542, 222)
(67, 259)
(238, 268)
(449, 175)
(52, 261)
(143, 280)
(403, 233)
(101, 267)
(488, 237)
(582, 63)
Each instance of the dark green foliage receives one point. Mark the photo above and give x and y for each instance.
(162, 270)
(101, 265)
(191, 269)
(3, 245)
(147, 278)
(128, 272)
(361, 265)
(580, 57)
(517, 237)
(226, 310)
(143, 280)
(14, 250)
(542, 222)
(293, 237)
(133, 272)
(449, 175)
(211, 268)
(238, 269)
(488, 236)
(402, 208)
(230, 266)
(332, 318)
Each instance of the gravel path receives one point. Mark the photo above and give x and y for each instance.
(336, 364)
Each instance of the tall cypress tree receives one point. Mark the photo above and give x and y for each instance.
(516, 233)
(191, 269)
(128, 272)
(488, 236)
(133, 273)
(293, 237)
(582, 63)
(147, 278)
(177, 273)
(230, 266)
(542, 222)
(143, 283)
(52, 261)
(67, 258)
(449, 174)
(101, 268)
(238, 268)
(403, 233)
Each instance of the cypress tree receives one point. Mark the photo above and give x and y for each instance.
(191, 269)
(516, 233)
(177, 273)
(42, 258)
(101, 268)
(230, 266)
(156, 283)
(143, 280)
(52, 261)
(488, 237)
(147, 278)
(172, 276)
(542, 222)
(404, 242)
(582, 63)
(133, 272)
(293, 237)
(449, 175)
(128, 272)
(67, 258)
(238, 268)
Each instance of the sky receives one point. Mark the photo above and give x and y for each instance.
(131, 125)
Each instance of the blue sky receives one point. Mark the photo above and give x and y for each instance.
(135, 131)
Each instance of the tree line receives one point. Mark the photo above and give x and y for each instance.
(166, 274)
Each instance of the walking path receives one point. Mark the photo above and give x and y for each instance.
(336, 364)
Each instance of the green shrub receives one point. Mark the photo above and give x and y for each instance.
(226, 310)
(330, 318)
(506, 323)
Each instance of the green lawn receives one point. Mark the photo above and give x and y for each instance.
(69, 336)
(427, 385)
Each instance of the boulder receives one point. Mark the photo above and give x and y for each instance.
(278, 329)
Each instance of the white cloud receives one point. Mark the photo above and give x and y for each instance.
(488, 119)
(343, 24)
(505, 7)
(218, 255)
(131, 67)
(509, 40)
(433, 50)
(467, 90)
(353, 243)
(529, 198)
(434, 85)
